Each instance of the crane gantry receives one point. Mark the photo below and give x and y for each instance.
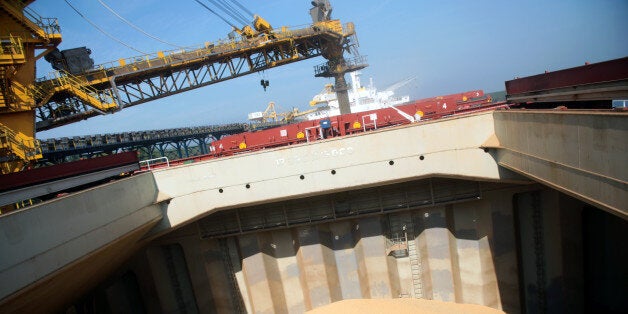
(72, 95)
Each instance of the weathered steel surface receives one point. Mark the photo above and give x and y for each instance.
(582, 154)
(57, 249)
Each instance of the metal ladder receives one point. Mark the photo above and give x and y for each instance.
(236, 299)
(539, 251)
(171, 266)
(415, 262)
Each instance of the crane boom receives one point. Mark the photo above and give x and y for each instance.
(68, 98)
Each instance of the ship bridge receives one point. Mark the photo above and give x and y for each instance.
(466, 209)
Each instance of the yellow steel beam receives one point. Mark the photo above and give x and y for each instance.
(162, 74)
(22, 31)
(131, 67)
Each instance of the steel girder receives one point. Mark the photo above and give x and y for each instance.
(194, 70)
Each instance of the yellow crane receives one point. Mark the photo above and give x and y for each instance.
(22, 34)
(270, 114)
(72, 95)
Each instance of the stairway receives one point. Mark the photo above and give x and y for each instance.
(43, 91)
(19, 145)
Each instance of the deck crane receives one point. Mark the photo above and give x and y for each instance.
(27, 106)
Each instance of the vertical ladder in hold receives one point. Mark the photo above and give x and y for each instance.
(233, 284)
(539, 251)
(171, 266)
(415, 262)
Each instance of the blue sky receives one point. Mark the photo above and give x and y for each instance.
(450, 46)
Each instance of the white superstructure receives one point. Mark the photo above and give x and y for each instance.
(360, 98)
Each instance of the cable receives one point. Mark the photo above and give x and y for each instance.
(101, 30)
(218, 15)
(235, 11)
(136, 27)
(228, 12)
(243, 7)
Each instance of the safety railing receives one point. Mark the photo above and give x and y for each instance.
(331, 67)
(11, 46)
(396, 242)
(397, 239)
(318, 133)
(154, 161)
(49, 26)
(39, 90)
(102, 100)
(69, 79)
(373, 121)
(25, 149)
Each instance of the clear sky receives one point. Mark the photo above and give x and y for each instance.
(450, 46)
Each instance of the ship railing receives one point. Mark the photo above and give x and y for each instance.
(373, 118)
(315, 128)
(159, 161)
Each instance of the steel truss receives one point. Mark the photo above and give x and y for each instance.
(168, 75)
(172, 143)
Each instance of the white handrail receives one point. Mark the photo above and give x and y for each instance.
(148, 161)
(307, 135)
(372, 117)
